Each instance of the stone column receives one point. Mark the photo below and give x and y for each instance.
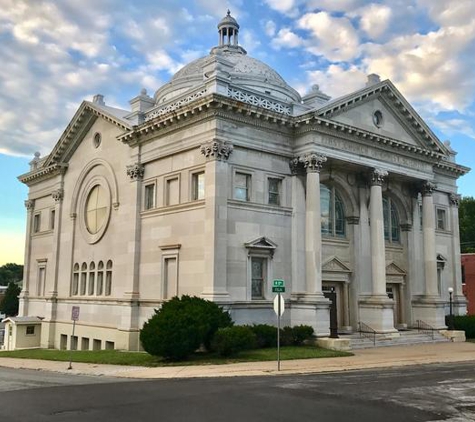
(216, 153)
(313, 226)
(378, 250)
(429, 307)
(23, 305)
(377, 311)
(460, 301)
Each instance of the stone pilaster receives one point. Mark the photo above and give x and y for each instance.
(216, 153)
(378, 310)
(24, 295)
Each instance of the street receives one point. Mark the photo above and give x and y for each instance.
(438, 392)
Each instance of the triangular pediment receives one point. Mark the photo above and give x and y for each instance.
(261, 243)
(335, 265)
(382, 110)
(394, 269)
(80, 124)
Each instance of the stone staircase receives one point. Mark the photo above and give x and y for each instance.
(406, 338)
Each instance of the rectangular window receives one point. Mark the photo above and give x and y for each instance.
(96, 344)
(258, 275)
(441, 219)
(100, 282)
(40, 285)
(198, 186)
(242, 184)
(30, 330)
(74, 343)
(149, 196)
(170, 277)
(173, 191)
(63, 342)
(51, 219)
(91, 283)
(274, 187)
(83, 282)
(110, 345)
(36, 223)
(84, 343)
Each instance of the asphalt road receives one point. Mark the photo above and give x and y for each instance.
(423, 393)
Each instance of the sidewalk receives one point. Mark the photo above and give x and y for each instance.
(382, 357)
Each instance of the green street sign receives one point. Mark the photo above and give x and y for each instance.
(279, 283)
(278, 289)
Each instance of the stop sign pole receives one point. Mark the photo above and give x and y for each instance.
(279, 307)
(74, 317)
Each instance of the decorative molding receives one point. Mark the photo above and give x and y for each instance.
(427, 188)
(406, 227)
(261, 244)
(175, 105)
(313, 162)
(135, 172)
(353, 219)
(455, 199)
(58, 195)
(335, 265)
(216, 150)
(295, 166)
(258, 101)
(30, 204)
(377, 176)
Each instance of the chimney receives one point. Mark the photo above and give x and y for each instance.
(373, 79)
(98, 99)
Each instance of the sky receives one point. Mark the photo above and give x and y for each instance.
(55, 54)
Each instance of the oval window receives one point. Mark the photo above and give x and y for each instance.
(96, 209)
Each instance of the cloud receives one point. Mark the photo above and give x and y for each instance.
(270, 28)
(375, 19)
(286, 38)
(287, 7)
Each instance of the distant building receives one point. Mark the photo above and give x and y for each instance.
(468, 280)
(227, 179)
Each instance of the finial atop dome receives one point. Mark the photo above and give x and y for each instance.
(228, 30)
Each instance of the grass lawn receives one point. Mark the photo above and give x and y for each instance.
(115, 357)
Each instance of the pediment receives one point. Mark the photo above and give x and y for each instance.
(394, 269)
(335, 265)
(263, 243)
(399, 119)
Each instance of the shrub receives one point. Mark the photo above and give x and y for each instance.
(300, 333)
(266, 335)
(286, 336)
(465, 323)
(181, 325)
(230, 340)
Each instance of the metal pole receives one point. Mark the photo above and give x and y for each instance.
(451, 315)
(71, 348)
(278, 334)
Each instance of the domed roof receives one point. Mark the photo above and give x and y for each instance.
(232, 63)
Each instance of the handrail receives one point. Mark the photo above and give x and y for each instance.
(425, 328)
(367, 332)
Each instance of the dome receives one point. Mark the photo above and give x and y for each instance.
(230, 62)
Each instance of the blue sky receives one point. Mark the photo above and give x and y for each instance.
(54, 54)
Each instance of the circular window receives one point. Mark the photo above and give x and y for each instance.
(378, 118)
(97, 205)
(97, 139)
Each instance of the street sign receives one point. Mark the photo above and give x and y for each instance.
(278, 283)
(276, 305)
(75, 313)
(278, 289)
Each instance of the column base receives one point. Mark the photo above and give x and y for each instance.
(313, 310)
(378, 313)
(431, 310)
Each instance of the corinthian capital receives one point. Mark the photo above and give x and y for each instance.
(377, 176)
(428, 188)
(313, 162)
(216, 150)
(455, 199)
(58, 195)
(135, 171)
(30, 204)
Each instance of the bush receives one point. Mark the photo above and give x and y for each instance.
(286, 336)
(301, 333)
(231, 340)
(266, 335)
(181, 326)
(465, 323)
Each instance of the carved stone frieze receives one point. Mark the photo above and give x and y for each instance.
(353, 219)
(216, 150)
(455, 199)
(377, 176)
(30, 204)
(58, 195)
(135, 171)
(313, 162)
(428, 188)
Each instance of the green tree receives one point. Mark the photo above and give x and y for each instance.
(10, 272)
(10, 302)
(467, 224)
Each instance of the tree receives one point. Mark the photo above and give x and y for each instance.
(10, 272)
(467, 224)
(10, 302)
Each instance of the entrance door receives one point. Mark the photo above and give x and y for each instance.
(330, 289)
(392, 291)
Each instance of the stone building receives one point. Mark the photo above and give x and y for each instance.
(227, 179)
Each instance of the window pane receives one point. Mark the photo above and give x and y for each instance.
(386, 218)
(257, 271)
(274, 191)
(198, 186)
(149, 196)
(325, 210)
(394, 223)
(339, 217)
(441, 219)
(241, 186)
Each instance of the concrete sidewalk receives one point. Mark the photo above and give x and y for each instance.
(382, 357)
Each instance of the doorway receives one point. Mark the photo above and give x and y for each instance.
(394, 293)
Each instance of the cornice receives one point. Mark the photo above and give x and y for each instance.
(450, 168)
(43, 173)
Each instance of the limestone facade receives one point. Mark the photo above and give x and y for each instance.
(228, 179)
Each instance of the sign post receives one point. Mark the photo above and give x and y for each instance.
(74, 317)
(279, 308)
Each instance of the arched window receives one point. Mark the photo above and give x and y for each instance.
(83, 278)
(92, 274)
(391, 221)
(108, 278)
(75, 286)
(100, 278)
(332, 212)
